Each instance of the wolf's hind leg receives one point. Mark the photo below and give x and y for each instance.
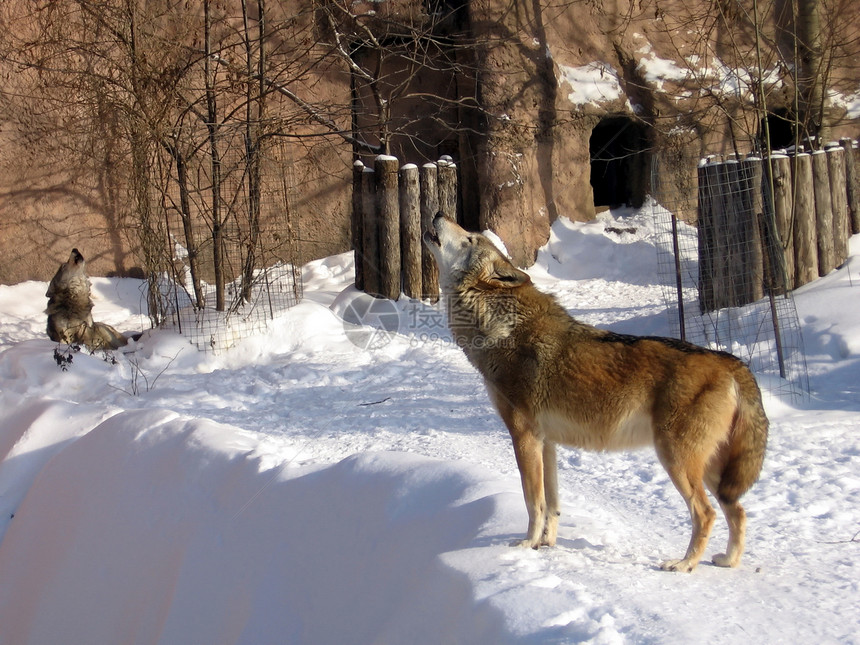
(737, 521)
(688, 480)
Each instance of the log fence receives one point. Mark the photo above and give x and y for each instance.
(767, 226)
(391, 207)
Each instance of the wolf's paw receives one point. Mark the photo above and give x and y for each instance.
(526, 544)
(684, 566)
(549, 534)
(723, 560)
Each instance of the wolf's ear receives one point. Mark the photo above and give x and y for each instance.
(505, 276)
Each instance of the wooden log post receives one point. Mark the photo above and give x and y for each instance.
(388, 214)
(370, 232)
(429, 208)
(357, 224)
(705, 224)
(447, 186)
(805, 231)
(839, 203)
(719, 251)
(783, 204)
(751, 287)
(823, 213)
(852, 182)
(729, 258)
(410, 231)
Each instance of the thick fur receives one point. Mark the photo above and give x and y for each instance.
(555, 380)
(70, 308)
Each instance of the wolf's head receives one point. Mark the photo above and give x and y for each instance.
(469, 260)
(74, 266)
(71, 278)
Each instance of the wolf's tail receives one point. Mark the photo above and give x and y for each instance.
(748, 439)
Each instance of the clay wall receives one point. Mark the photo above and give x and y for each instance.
(539, 90)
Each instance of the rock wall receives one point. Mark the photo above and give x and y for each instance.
(546, 77)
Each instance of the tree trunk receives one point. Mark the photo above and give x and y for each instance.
(254, 98)
(215, 159)
(811, 74)
(188, 228)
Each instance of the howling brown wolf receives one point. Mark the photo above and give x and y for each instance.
(556, 380)
(70, 308)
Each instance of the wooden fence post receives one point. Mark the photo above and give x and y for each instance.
(783, 203)
(852, 182)
(805, 234)
(823, 213)
(749, 233)
(839, 203)
(447, 185)
(705, 223)
(410, 231)
(387, 209)
(370, 232)
(727, 261)
(429, 208)
(356, 224)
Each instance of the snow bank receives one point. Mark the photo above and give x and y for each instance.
(154, 528)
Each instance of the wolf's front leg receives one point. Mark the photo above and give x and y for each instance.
(529, 453)
(550, 486)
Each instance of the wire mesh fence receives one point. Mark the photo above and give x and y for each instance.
(256, 262)
(724, 279)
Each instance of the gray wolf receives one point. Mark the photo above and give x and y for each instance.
(555, 380)
(70, 308)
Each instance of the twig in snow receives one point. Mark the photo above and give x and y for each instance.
(364, 405)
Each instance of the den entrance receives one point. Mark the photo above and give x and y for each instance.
(780, 127)
(619, 162)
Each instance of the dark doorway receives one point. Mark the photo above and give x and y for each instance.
(780, 126)
(619, 162)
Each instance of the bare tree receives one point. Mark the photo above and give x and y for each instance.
(778, 58)
(196, 95)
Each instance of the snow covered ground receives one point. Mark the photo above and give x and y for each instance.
(303, 488)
